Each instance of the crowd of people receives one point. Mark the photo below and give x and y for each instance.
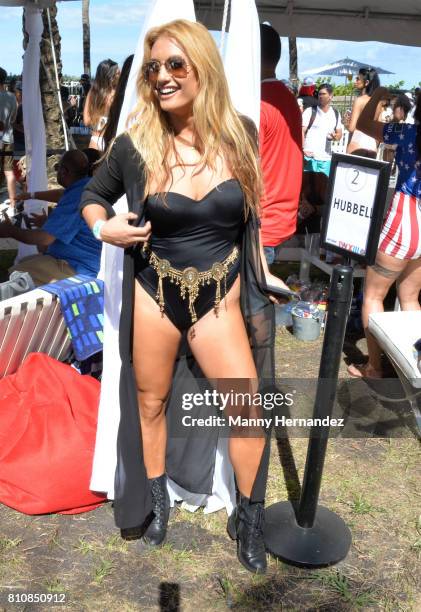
(210, 200)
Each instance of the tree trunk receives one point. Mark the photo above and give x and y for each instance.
(86, 38)
(293, 60)
(50, 106)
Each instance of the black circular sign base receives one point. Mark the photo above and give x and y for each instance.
(325, 543)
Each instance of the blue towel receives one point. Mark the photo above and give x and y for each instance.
(82, 304)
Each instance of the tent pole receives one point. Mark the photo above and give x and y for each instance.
(60, 103)
(224, 27)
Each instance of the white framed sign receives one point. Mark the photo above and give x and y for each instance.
(355, 205)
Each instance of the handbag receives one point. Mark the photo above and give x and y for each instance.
(19, 282)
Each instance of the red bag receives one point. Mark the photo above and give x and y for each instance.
(48, 417)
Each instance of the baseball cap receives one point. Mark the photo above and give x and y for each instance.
(308, 81)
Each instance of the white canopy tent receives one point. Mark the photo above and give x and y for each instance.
(392, 21)
(343, 67)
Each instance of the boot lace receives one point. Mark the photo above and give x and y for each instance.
(158, 501)
(253, 519)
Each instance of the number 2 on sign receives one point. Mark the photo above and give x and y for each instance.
(355, 179)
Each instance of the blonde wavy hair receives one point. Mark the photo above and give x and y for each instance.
(218, 126)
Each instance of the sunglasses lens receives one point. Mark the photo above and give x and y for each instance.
(177, 67)
(151, 71)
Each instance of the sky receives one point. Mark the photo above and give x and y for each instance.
(115, 27)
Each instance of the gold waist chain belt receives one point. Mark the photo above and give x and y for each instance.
(190, 279)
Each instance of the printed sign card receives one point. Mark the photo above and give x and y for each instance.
(355, 206)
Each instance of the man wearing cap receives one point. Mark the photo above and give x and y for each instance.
(306, 93)
(280, 149)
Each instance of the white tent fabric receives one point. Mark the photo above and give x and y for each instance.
(344, 67)
(243, 69)
(33, 119)
(393, 21)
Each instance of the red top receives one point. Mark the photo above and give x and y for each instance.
(282, 162)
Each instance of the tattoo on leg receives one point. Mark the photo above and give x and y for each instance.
(385, 271)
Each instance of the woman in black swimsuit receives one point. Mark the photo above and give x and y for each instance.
(188, 166)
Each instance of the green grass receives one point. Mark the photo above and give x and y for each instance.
(337, 582)
(360, 505)
(84, 547)
(54, 585)
(103, 570)
(8, 543)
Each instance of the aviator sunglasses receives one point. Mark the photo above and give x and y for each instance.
(176, 66)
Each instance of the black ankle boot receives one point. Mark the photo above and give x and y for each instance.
(157, 529)
(246, 526)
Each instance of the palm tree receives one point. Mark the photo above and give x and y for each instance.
(293, 60)
(86, 38)
(52, 116)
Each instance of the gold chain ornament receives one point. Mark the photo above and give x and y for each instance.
(190, 279)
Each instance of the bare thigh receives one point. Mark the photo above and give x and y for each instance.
(220, 343)
(381, 277)
(155, 346)
(409, 284)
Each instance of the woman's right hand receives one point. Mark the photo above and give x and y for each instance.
(119, 232)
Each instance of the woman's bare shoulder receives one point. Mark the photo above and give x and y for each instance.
(361, 101)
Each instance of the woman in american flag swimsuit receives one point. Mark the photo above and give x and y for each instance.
(398, 257)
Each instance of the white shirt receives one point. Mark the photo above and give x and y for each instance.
(324, 124)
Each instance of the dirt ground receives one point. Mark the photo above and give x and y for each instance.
(372, 483)
(371, 479)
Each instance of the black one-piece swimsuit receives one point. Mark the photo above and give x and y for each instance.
(196, 233)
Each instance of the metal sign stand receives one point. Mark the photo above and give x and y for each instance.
(316, 536)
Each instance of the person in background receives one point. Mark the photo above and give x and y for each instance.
(18, 129)
(8, 109)
(85, 85)
(54, 195)
(307, 93)
(401, 106)
(99, 100)
(69, 106)
(66, 243)
(410, 115)
(399, 252)
(321, 125)
(366, 82)
(280, 149)
(115, 108)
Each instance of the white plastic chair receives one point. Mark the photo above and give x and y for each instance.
(31, 323)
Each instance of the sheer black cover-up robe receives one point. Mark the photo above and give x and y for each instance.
(189, 459)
